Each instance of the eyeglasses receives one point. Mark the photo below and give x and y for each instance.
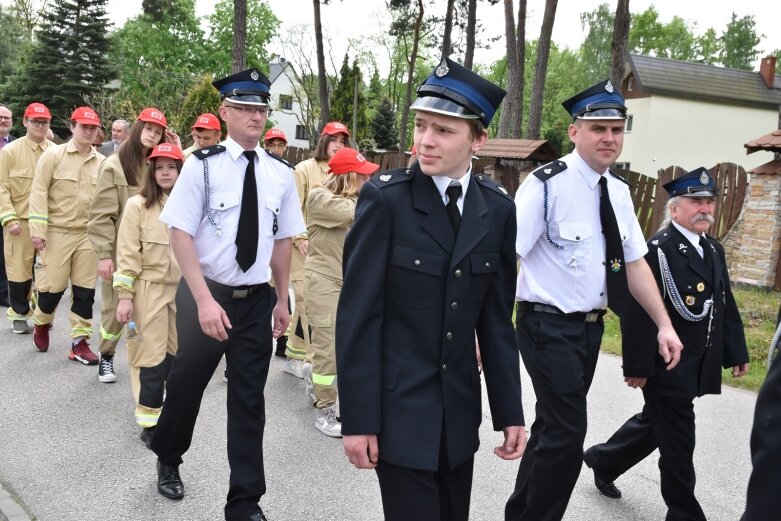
(38, 122)
(249, 111)
(276, 145)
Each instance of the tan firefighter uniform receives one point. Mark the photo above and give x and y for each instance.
(17, 168)
(148, 273)
(59, 208)
(111, 194)
(307, 174)
(329, 216)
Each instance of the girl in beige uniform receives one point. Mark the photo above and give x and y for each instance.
(145, 282)
(120, 176)
(308, 174)
(331, 209)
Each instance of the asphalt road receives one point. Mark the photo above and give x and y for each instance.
(69, 449)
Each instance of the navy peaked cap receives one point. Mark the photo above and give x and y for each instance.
(697, 183)
(249, 87)
(600, 101)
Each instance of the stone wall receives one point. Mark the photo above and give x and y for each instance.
(752, 245)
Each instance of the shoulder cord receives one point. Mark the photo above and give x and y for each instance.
(207, 198)
(668, 288)
(545, 216)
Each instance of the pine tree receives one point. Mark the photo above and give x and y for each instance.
(342, 96)
(358, 104)
(68, 61)
(203, 97)
(383, 126)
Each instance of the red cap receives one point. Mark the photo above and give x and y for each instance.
(167, 150)
(334, 127)
(85, 116)
(347, 160)
(274, 133)
(207, 121)
(37, 110)
(153, 115)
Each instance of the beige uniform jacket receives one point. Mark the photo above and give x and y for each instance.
(17, 168)
(62, 189)
(108, 203)
(329, 218)
(143, 248)
(307, 174)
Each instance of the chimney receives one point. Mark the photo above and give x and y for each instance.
(767, 70)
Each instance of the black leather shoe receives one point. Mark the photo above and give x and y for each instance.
(607, 488)
(146, 436)
(257, 517)
(169, 484)
(281, 347)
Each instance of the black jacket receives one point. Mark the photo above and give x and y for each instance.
(414, 296)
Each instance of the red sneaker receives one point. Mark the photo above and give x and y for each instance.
(81, 353)
(41, 337)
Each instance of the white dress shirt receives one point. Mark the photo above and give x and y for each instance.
(443, 181)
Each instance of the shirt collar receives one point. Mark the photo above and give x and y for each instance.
(590, 176)
(33, 145)
(235, 150)
(690, 235)
(443, 181)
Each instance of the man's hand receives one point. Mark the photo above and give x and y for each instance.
(106, 269)
(214, 321)
(15, 229)
(362, 450)
(281, 319)
(636, 381)
(38, 243)
(740, 370)
(514, 443)
(670, 346)
(303, 247)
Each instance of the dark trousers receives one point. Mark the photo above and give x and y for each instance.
(560, 356)
(247, 353)
(3, 277)
(666, 423)
(426, 495)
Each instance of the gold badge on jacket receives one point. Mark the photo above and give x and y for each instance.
(690, 300)
(700, 287)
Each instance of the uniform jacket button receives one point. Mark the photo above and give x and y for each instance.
(444, 368)
(487, 264)
(454, 306)
(449, 335)
(457, 274)
(417, 262)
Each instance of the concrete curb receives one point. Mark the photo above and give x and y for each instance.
(10, 509)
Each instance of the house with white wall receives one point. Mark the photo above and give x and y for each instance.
(693, 114)
(287, 111)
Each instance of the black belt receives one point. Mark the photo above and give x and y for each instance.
(234, 291)
(591, 316)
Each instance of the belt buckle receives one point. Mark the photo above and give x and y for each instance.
(240, 293)
(592, 316)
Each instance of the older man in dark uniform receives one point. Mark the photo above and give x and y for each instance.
(691, 272)
(428, 266)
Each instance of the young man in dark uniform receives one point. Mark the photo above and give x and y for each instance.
(691, 272)
(428, 266)
(232, 214)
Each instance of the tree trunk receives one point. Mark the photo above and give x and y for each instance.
(410, 78)
(512, 109)
(448, 29)
(619, 43)
(471, 24)
(325, 109)
(239, 53)
(540, 70)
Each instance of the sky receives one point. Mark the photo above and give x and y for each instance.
(344, 19)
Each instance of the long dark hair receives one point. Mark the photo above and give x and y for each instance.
(150, 190)
(132, 153)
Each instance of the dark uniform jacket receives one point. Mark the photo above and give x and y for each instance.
(699, 371)
(414, 295)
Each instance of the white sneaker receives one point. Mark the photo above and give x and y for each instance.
(328, 423)
(293, 366)
(309, 384)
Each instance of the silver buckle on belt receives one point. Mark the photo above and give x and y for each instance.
(240, 293)
(592, 317)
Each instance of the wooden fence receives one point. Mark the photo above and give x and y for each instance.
(650, 198)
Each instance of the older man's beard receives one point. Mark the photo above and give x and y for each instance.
(702, 217)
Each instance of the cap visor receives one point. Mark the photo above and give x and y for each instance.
(257, 101)
(442, 106)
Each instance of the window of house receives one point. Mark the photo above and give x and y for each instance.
(285, 102)
(301, 132)
(629, 84)
(629, 120)
(622, 166)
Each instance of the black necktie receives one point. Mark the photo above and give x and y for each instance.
(615, 274)
(707, 254)
(453, 193)
(247, 233)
